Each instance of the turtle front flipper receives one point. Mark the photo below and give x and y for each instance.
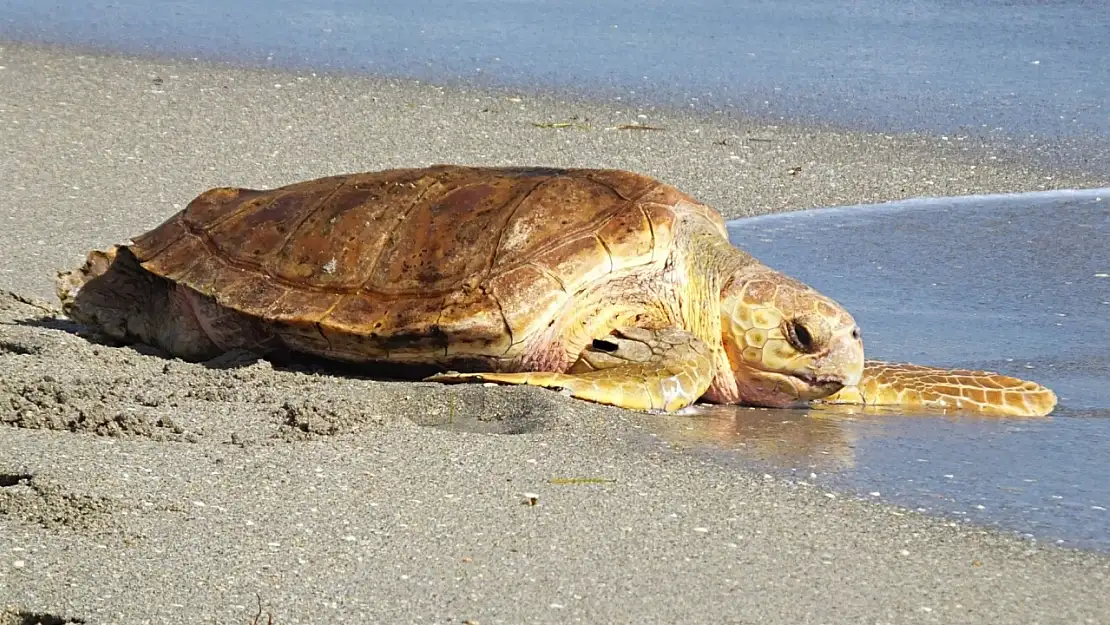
(632, 368)
(902, 384)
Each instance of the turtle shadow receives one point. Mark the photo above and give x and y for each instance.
(62, 324)
(36, 343)
(57, 322)
(458, 408)
(236, 358)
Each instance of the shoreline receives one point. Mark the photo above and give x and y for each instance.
(135, 488)
(920, 164)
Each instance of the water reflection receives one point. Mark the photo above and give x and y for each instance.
(783, 438)
(820, 438)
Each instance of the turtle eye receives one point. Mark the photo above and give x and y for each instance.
(800, 336)
(856, 334)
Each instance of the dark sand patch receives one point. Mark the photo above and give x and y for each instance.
(29, 500)
(21, 617)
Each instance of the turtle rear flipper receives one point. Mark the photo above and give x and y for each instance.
(112, 293)
(903, 384)
(651, 370)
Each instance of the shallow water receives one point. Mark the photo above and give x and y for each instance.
(1018, 284)
(955, 66)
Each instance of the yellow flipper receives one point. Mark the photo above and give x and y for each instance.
(633, 368)
(901, 384)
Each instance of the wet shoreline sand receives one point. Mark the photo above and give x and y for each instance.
(133, 488)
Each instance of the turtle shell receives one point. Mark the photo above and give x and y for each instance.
(416, 264)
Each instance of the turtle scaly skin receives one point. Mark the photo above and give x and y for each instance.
(607, 284)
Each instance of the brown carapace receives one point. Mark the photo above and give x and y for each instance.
(609, 285)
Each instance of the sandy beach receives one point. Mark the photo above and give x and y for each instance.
(136, 489)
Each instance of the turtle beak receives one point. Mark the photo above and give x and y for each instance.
(843, 363)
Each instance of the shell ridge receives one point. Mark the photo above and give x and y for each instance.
(504, 320)
(246, 265)
(401, 217)
(308, 214)
(196, 259)
(509, 219)
(147, 252)
(550, 274)
(651, 230)
(608, 252)
(593, 178)
(240, 209)
(331, 308)
(269, 309)
(591, 226)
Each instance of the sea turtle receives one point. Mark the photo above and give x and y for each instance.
(609, 285)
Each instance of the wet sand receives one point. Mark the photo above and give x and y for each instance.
(137, 489)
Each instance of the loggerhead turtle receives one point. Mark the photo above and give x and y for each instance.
(610, 285)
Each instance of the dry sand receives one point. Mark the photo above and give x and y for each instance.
(135, 489)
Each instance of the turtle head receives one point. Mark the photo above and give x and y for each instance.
(785, 342)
